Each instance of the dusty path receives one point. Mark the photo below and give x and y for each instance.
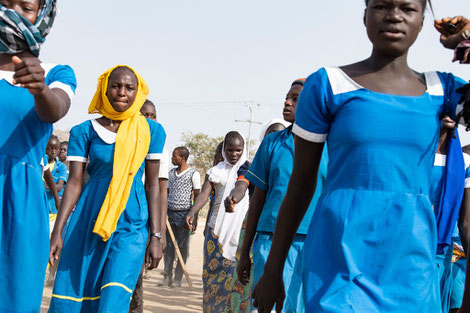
(165, 299)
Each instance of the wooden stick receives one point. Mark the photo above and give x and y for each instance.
(178, 253)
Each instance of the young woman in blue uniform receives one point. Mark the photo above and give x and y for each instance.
(371, 244)
(106, 239)
(33, 95)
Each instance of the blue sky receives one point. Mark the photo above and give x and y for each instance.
(204, 59)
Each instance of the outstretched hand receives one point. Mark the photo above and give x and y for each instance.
(269, 292)
(230, 203)
(29, 74)
(453, 30)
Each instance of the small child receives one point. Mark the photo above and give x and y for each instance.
(58, 171)
(63, 153)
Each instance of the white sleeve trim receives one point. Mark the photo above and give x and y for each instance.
(76, 159)
(196, 180)
(467, 182)
(66, 88)
(154, 156)
(305, 134)
(440, 159)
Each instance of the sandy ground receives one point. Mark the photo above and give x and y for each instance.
(165, 299)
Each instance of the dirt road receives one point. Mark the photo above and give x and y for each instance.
(165, 299)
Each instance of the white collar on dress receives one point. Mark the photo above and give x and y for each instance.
(105, 134)
(341, 83)
(7, 75)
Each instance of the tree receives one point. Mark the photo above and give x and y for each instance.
(202, 149)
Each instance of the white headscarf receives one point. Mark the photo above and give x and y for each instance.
(265, 126)
(228, 225)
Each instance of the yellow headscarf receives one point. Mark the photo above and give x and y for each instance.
(132, 144)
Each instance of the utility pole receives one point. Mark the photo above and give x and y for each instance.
(250, 122)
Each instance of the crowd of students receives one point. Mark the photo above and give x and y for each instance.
(357, 201)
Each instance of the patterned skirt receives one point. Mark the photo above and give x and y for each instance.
(217, 275)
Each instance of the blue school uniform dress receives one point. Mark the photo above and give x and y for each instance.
(58, 172)
(270, 171)
(371, 245)
(96, 275)
(24, 217)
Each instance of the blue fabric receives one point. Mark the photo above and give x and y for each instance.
(371, 245)
(88, 264)
(271, 170)
(24, 218)
(59, 172)
(447, 211)
(291, 275)
(444, 268)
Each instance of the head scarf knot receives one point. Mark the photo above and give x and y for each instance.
(17, 34)
(132, 144)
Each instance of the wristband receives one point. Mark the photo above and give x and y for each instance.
(158, 235)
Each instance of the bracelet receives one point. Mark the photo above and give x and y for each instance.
(158, 235)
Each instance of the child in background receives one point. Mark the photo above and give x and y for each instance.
(63, 153)
(58, 172)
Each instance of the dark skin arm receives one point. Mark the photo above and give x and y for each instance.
(163, 210)
(254, 213)
(302, 184)
(154, 251)
(59, 185)
(52, 187)
(236, 195)
(69, 200)
(50, 104)
(464, 230)
(199, 202)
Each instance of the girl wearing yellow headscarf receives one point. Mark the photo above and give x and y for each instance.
(105, 242)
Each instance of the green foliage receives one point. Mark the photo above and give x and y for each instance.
(202, 149)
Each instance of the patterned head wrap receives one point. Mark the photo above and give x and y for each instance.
(17, 34)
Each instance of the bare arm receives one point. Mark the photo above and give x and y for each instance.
(199, 202)
(254, 213)
(50, 104)
(270, 289)
(163, 209)
(69, 200)
(236, 195)
(154, 251)
(52, 187)
(59, 185)
(464, 230)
